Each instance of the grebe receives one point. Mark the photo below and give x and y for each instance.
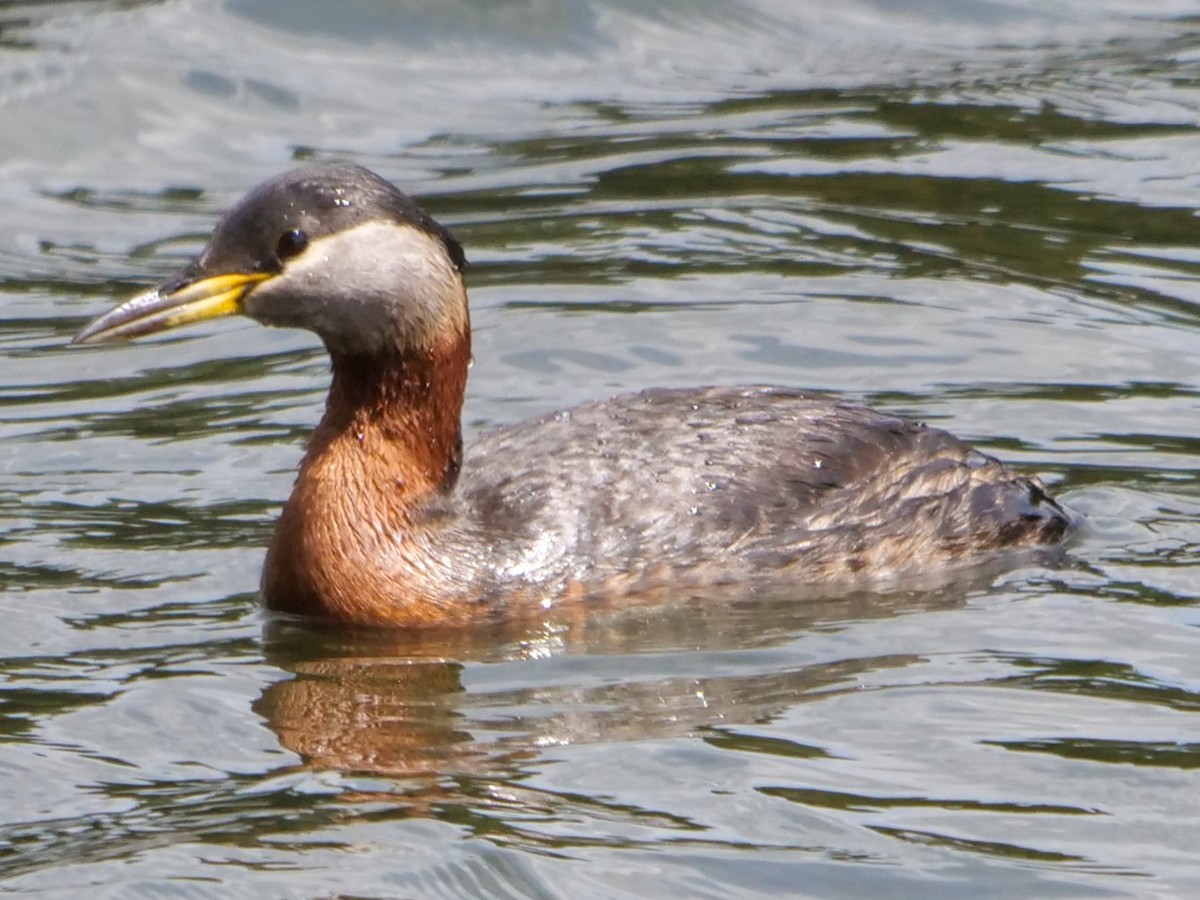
(391, 524)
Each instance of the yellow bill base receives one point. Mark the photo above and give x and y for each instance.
(153, 311)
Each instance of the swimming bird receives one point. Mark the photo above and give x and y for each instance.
(390, 523)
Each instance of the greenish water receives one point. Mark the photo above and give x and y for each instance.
(976, 213)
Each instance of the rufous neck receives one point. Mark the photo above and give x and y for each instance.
(403, 409)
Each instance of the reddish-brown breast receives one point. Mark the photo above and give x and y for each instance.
(351, 544)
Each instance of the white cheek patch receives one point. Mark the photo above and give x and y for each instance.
(375, 284)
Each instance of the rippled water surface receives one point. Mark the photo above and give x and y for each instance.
(976, 213)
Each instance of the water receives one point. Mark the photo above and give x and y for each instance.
(976, 213)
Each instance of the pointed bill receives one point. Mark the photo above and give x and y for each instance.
(154, 310)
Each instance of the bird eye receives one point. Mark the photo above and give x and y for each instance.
(291, 243)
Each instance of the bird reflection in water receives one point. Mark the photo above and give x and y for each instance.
(466, 716)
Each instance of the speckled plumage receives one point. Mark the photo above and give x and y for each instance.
(716, 484)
